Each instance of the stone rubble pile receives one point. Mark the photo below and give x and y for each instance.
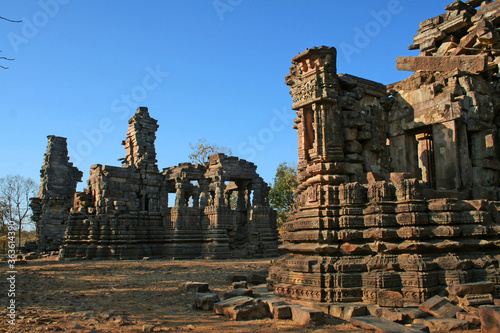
(470, 306)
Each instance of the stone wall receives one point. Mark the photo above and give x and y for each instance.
(218, 209)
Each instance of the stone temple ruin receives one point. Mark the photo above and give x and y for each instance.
(398, 185)
(220, 210)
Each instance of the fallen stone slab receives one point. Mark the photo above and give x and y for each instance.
(261, 290)
(400, 315)
(381, 325)
(220, 306)
(249, 310)
(388, 298)
(490, 318)
(482, 287)
(472, 63)
(205, 301)
(420, 327)
(240, 285)
(440, 307)
(443, 324)
(305, 315)
(194, 287)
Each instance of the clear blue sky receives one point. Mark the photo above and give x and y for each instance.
(205, 68)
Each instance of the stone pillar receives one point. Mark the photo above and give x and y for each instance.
(426, 158)
(204, 193)
(241, 203)
(219, 199)
(446, 156)
(180, 200)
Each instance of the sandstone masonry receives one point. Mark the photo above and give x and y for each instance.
(398, 186)
(218, 209)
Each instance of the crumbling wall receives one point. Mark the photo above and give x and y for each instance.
(55, 198)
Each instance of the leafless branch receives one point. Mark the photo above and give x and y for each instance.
(6, 19)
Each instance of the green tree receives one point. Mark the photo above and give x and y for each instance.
(281, 196)
(202, 150)
(15, 194)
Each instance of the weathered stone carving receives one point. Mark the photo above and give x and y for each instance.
(220, 210)
(405, 178)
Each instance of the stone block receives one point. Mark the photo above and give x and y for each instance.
(205, 301)
(247, 310)
(400, 315)
(282, 312)
(482, 287)
(440, 307)
(443, 324)
(381, 325)
(350, 133)
(198, 287)
(387, 298)
(490, 318)
(239, 285)
(353, 146)
(278, 308)
(347, 311)
(254, 278)
(476, 299)
(306, 316)
(220, 306)
(471, 64)
(238, 293)
(471, 318)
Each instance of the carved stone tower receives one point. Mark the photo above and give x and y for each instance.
(365, 221)
(57, 188)
(140, 142)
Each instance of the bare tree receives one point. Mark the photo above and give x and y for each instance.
(5, 58)
(202, 150)
(15, 194)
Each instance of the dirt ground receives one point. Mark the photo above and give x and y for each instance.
(123, 296)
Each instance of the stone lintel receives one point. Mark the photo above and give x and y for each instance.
(473, 63)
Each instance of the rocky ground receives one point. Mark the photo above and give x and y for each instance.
(126, 296)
